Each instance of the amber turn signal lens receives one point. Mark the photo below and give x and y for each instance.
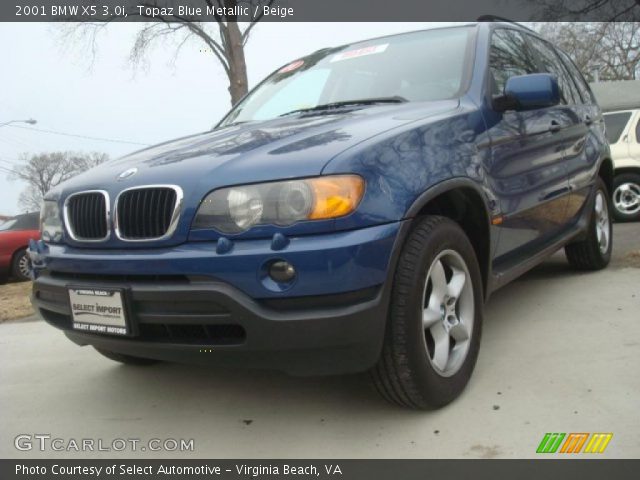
(335, 196)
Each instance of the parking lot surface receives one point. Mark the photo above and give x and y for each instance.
(560, 353)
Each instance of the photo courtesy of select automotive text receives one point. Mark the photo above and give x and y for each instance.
(300, 239)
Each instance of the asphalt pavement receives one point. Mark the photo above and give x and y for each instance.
(560, 353)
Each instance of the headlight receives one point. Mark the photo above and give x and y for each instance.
(236, 209)
(50, 222)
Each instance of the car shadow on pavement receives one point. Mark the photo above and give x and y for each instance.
(213, 391)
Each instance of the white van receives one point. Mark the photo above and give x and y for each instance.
(623, 133)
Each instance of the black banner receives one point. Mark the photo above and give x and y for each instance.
(316, 10)
(547, 469)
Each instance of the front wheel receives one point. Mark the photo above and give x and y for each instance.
(435, 321)
(594, 251)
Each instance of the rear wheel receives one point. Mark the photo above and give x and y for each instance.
(594, 251)
(21, 266)
(126, 359)
(626, 197)
(433, 333)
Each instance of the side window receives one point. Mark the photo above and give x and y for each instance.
(550, 63)
(510, 56)
(583, 86)
(638, 131)
(614, 125)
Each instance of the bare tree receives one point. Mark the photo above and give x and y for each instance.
(44, 171)
(583, 10)
(609, 51)
(223, 39)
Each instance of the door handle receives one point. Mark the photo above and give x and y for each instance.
(588, 120)
(546, 195)
(554, 126)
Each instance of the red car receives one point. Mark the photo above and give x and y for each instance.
(15, 234)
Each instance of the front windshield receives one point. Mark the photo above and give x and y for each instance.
(8, 224)
(418, 66)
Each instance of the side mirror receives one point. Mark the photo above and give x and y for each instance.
(528, 92)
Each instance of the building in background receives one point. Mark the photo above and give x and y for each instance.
(617, 95)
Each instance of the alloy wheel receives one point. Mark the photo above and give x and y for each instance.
(626, 198)
(24, 266)
(448, 312)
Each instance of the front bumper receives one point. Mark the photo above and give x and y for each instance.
(325, 264)
(213, 323)
(201, 319)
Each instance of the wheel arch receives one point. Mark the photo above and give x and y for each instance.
(623, 170)
(463, 201)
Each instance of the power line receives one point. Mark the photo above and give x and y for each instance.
(86, 137)
(7, 170)
(16, 141)
(11, 164)
(8, 162)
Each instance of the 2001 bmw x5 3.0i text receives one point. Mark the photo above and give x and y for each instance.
(353, 212)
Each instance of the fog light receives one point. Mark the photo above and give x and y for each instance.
(282, 271)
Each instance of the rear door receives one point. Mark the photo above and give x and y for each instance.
(583, 161)
(527, 168)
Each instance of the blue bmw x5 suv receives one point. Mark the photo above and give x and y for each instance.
(353, 212)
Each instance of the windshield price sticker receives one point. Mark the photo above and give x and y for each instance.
(360, 52)
(292, 66)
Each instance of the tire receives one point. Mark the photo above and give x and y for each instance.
(126, 359)
(21, 266)
(594, 251)
(412, 370)
(626, 197)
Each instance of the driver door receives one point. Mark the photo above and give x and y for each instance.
(527, 168)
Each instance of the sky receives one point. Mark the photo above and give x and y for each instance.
(61, 85)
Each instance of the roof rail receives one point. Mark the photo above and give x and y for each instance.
(496, 18)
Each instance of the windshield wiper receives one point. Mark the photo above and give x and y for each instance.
(348, 103)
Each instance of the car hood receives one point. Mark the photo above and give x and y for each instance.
(286, 147)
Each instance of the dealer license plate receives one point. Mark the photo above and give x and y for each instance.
(98, 310)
